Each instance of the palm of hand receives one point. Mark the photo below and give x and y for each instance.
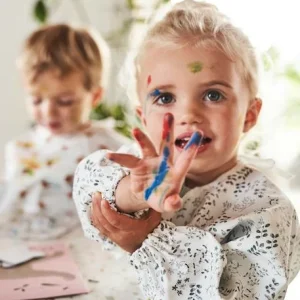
(155, 178)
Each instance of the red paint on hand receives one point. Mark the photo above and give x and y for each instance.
(137, 136)
(168, 122)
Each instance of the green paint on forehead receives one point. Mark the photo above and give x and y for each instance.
(195, 66)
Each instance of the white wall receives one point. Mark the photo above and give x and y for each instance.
(16, 22)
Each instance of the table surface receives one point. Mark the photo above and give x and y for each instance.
(108, 277)
(111, 278)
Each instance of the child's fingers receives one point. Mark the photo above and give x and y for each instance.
(172, 203)
(126, 160)
(187, 155)
(125, 223)
(100, 228)
(167, 139)
(98, 216)
(119, 221)
(98, 225)
(145, 143)
(162, 203)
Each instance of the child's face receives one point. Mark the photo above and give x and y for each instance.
(204, 91)
(61, 104)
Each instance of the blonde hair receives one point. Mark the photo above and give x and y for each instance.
(200, 24)
(66, 49)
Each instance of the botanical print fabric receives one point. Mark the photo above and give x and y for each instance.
(235, 238)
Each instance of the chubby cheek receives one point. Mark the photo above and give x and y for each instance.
(153, 127)
(35, 113)
(72, 115)
(230, 132)
(154, 133)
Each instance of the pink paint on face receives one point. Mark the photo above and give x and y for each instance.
(149, 80)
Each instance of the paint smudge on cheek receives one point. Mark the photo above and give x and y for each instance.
(195, 67)
(151, 95)
(155, 93)
(149, 79)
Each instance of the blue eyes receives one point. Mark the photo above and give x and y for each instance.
(213, 96)
(164, 98)
(168, 98)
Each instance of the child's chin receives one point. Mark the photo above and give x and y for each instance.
(56, 131)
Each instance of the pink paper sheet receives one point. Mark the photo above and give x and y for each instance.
(55, 275)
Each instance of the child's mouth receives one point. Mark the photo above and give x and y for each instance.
(54, 125)
(182, 141)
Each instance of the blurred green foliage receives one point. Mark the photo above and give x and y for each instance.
(40, 11)
(116, 111)
(290, 76)
(291, 112)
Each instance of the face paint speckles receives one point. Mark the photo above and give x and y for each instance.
(195, 66)
(155, 93)
(149, 79)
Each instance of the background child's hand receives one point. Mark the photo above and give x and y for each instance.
(156, 178)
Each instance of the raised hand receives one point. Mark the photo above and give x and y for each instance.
(156, 178)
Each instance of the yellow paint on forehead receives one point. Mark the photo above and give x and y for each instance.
(195, 66)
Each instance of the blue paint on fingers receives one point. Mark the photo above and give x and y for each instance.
(194, 140)
(160, 176)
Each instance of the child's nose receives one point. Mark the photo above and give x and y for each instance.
(50, 109)
(190, 113)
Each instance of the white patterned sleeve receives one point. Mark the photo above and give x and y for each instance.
(252, 261)
(96, 173)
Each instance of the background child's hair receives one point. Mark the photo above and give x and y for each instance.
(66, 49)
(200, 24)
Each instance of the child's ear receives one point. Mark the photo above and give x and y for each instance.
(140, 114)
(97, 96)
(252, 114)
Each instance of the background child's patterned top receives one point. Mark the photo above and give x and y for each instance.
(235, 238)
(37, 201)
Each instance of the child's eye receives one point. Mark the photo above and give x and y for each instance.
(164, 98)
(213, 96)
(36, 101)
(65, 102)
